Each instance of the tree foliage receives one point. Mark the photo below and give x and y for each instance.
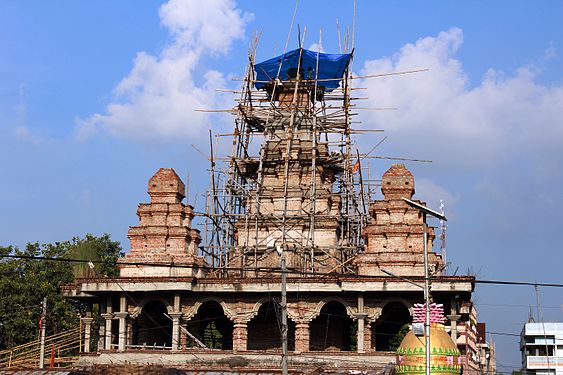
(396, 340)
(24, 283)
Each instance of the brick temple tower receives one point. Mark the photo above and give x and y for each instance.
(164, 234)
(293, 184)
(394, 238)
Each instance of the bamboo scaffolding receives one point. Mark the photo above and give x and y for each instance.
(251, 201)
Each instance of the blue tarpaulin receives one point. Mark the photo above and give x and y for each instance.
(331, 66)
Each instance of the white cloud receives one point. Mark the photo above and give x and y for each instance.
(157, 99)
(24, 134)
(21, 131)
(430, 192)
(441, 116)
(317, 47)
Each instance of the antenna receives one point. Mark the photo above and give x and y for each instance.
(443, 228)
(540, 318)
(531, 318)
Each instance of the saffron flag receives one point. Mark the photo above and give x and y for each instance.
(356, 166)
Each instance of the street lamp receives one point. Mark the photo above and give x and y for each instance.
(426, 211)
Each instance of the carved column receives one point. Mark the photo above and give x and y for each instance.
(87, 321)
(453, 326)
(122, 338)
(101, 332)
(302, 335)
(453, 317)
(108, 316)
(122, 316)
(240, 335)
(107, 330)
(175, 329)
(176, 316)
(361, 332)
(361, 316)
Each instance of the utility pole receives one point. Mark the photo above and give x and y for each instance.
(43, 330)
(424, 211)
(284, 313)
(426, 296)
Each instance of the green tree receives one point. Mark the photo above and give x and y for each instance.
(24, 283)
(396, 340)
(101, 250)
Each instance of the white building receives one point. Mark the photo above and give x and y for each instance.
(541, 345)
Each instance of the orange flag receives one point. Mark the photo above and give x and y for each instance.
(356, 166)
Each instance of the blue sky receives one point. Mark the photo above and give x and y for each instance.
(96, 96)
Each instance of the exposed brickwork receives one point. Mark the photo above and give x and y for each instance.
(395, 237)
(260, 233)
(164, 233)
(236, 312)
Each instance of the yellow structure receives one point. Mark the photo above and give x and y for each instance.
(444, 355)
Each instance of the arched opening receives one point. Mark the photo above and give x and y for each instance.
(264, 330)
(212, 327)
(332, 329)
(394, 316)
(153, 328)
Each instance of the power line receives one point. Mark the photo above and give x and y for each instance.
(514, 305)
(275, 270)
(525, 283)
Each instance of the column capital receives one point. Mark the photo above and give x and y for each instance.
(453, 317)
(361, 315)
(121, 315)
(241, 319)
(107, 316)
(87, 320)
(175, 315)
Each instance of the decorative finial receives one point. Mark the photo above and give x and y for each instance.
(436, 313)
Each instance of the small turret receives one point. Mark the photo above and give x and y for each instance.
(166, 187)
(397, 182)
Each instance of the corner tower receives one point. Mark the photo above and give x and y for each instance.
(164, 234)
(394, 240)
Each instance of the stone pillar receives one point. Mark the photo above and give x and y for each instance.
(87, 321)
(240, 335)
(101, 333)
(453, 317)
(122, 316)
(176, 316)
(302, 335)
(175, 329)
(108, 316)
(122, 338)
(361, 340)
(361, 316)
(107, 330)
(453, 326)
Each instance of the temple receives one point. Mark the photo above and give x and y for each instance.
(292, 189)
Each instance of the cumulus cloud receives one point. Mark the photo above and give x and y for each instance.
(429, 191)
(23, 133)
(157, 99)
(317, 47)
(473, 125)
(495, 140)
